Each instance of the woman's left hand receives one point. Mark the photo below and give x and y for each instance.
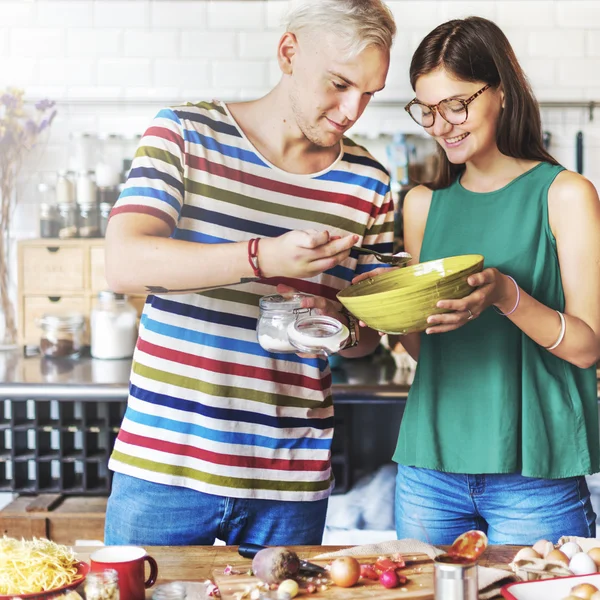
(491, 288)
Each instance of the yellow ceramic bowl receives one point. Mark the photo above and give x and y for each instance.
(400, 301)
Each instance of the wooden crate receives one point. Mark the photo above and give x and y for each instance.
(61, 519)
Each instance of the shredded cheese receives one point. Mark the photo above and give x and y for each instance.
(39, 565)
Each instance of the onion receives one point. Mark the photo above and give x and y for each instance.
(389, 579)
(344, 571)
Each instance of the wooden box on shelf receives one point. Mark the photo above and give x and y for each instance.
(59, 276)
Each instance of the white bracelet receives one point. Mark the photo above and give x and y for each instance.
(561, 335)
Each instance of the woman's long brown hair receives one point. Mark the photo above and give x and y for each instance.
(475, 49)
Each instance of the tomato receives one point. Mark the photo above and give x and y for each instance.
(345, 571)
(384, 564)
(368, 572)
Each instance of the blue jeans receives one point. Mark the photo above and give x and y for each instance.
(151, 514)
(437, 507)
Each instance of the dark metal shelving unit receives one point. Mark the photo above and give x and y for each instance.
(57, 446)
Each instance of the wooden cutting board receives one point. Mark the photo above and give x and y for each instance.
(418, 570)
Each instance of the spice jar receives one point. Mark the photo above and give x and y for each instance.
(65, 193)
(87, 224)
(49, 223)
(113, 323)
(86, 188)
(103, 585)
(62, 335)
(67, 221)
(285, 326)
(104, 209)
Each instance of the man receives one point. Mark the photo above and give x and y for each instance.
(222, 439)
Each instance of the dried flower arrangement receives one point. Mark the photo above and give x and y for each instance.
(20, 130)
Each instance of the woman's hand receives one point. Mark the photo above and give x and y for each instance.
(492, 288)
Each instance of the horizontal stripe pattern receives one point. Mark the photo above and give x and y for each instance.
(208, 408)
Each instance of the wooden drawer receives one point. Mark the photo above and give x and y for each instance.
(36, 306)
(53, 269)
(97, 278)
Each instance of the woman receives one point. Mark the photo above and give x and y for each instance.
(501, 424)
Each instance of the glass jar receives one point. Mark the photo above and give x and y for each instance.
(88, 222)
(67, 221)
(65, 193)
(113, 323)
(86, 187)
(175, 590)
(284, 326)
(104, 209)
(102, 586)
(318, 335)
(62, 335)
(49, 220)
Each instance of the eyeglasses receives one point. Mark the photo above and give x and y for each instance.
(452, 110)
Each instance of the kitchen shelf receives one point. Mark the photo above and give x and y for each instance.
(59, 446)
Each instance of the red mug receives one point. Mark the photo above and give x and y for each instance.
(128, 562)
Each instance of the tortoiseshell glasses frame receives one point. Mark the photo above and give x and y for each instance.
(460, 107)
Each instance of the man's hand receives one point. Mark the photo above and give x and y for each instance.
(318, 306)
(303, 254)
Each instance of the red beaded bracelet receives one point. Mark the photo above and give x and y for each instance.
(253, 256)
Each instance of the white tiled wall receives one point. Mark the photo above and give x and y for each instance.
(112, 64)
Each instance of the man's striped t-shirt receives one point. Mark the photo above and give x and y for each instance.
(208, 408)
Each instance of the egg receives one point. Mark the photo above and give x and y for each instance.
(594, 553)
(542, 547)
(583, 590)
(556, 556)
(582, 564)
(570, 549)
(526, 553)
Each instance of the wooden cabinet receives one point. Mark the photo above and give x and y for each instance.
(57, 277)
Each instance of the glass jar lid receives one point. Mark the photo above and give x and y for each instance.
(109, 296)
(69, 322)
(318, 334)
(286, 303)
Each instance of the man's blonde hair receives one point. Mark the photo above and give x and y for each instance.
(358, 24)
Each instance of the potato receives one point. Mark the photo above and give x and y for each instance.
(274, 565)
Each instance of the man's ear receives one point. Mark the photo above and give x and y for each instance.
(286, 51)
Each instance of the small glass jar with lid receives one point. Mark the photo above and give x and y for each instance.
(88, 224)
(65, 191)
(285, 326)
(49, 223)
(113, 324)
(67, 220)
(62, 335)
(104, 209)
(102, 585)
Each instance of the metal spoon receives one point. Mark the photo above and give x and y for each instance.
(396, 260)
(469, 545)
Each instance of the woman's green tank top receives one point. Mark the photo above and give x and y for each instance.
(486, 398)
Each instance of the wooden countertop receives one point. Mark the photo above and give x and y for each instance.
(197, 563)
